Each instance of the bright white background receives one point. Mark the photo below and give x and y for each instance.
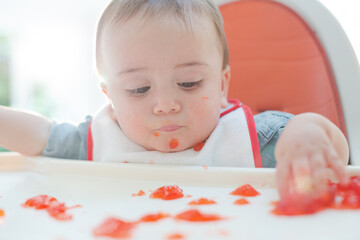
(52, 47)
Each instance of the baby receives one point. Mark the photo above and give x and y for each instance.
(165, 71)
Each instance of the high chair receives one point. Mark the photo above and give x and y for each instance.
(293, 56)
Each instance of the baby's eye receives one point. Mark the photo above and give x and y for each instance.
(190, 85)
(138, 91)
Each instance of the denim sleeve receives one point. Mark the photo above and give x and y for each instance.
(269, 126)
(68, 141)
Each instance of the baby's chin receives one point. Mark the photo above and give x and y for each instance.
(168, 149)
(172, 146)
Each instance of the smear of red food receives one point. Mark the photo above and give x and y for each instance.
(58, 211)
(114, 228)
(175, 236)
(198, 146)
(348, 194)
(140, 193)
(153, 217)
(156, 134)
(245, 190)
(338, 196)
(241, 201)
(39, 202)
(202, 201)
(55, 208)
(167, 193)
(196, 216)
(173, 143)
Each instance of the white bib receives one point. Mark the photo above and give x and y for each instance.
(233, 143)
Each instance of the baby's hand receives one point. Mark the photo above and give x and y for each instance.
(307, 151)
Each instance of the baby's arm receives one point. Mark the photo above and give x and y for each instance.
(309, 146)
(23, 132)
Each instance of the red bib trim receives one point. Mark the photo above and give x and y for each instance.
(89, 143)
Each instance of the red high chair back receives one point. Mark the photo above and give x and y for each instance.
(277, 61)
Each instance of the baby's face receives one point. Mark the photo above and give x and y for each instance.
(166, 84)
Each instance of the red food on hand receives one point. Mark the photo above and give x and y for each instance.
(300, 204)
(196, 216)
(167, 193)
(202, 201)
(349, 194)
(339, 196)
(153, 217)
(115, 228)
(245, 190)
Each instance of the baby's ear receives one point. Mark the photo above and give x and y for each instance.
(104, 88)
(111, 106)
(225, 81)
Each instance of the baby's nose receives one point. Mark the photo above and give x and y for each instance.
(166, 105)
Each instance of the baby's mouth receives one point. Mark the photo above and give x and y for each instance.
(170, 128)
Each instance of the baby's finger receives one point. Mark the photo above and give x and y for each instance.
(283, 175)
(335, 163)
(302, 175)
(319, 171)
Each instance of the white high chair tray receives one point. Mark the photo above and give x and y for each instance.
(105, 190)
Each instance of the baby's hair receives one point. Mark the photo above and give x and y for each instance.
(187, 11)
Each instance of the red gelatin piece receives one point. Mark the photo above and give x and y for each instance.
(196, 216)
(39, 202)
(245, 190)
(173, 143)
(241, 201)
(153, 217)
(167, 193)
(202, 201)
(140, 193)
(175, 236)
(114, 228)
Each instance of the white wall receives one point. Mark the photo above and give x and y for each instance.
(53, 42)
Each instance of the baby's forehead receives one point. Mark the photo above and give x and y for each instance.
(187, 22)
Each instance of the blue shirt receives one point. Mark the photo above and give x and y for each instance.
(70, 141)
